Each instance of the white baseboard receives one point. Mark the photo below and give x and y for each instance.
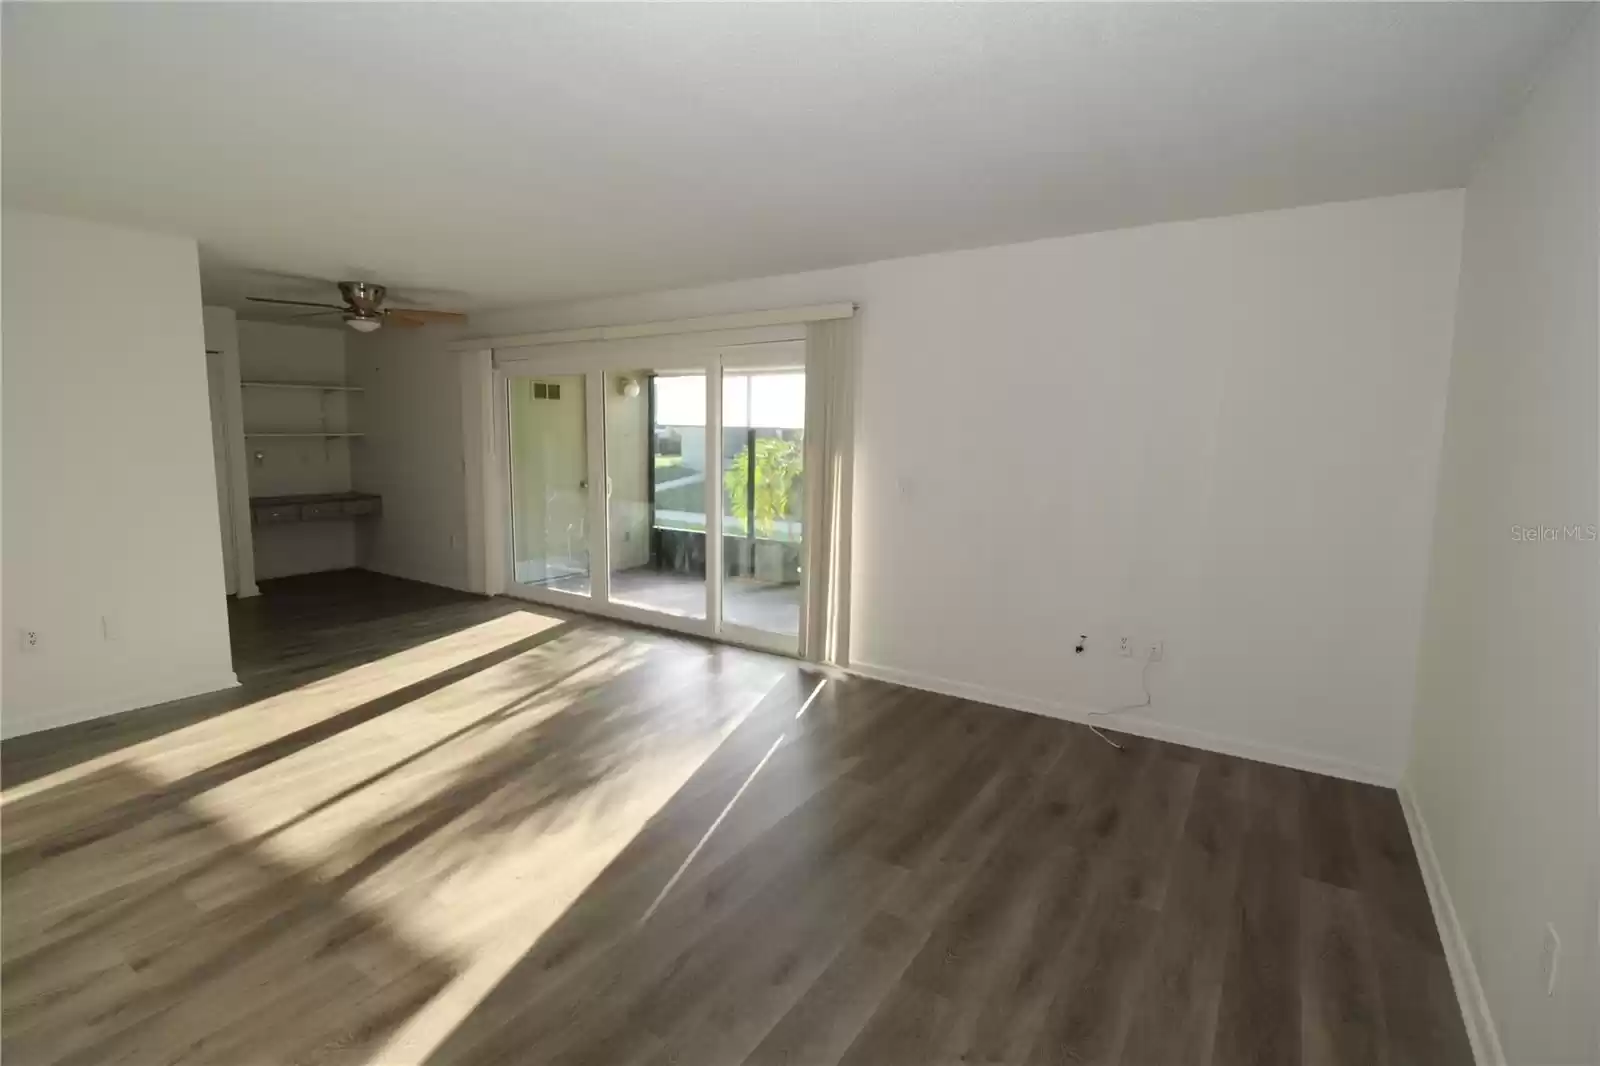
(1486, 1050)
(16, 725)
(1137, 724)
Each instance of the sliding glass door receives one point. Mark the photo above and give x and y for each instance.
(624, 471)
(762, 487)
(656, 473)
(549, 482)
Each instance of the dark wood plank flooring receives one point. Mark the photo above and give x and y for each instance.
(439, 829)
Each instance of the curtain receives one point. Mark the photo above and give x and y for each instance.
(829, 463)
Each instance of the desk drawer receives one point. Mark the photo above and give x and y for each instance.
(270, 514)
(312, 512)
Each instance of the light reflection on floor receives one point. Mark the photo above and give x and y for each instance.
(464, 821)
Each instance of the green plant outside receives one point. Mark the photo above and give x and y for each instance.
(778, 465)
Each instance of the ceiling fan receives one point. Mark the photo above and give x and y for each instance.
(363, 308)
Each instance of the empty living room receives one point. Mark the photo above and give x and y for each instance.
(1153, 616)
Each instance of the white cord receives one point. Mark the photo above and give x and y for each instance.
(1144, 683)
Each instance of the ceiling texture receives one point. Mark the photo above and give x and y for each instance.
(505, 153)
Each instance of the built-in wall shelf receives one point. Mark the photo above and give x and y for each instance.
(312, 385)
(312, 434)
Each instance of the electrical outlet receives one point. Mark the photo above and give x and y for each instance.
(1551, 957)
(108, 628)
(29, 639)
(1154, 650)
(1125, 647)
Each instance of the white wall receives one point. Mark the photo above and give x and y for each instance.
(413, 454)
(111, 547)
(270, 351)
(1223, 434)
(1503, 769)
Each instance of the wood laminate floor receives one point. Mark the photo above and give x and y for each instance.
(437, 829)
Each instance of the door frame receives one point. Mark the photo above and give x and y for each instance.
(222, 465)
(708, 353)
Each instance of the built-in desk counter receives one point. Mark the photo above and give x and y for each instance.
(314, 507)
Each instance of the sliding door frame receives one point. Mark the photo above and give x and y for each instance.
(705, 353)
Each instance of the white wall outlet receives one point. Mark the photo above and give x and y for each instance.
(1154, 650)
(1551, 958)
(1125, 647)
(29, 639)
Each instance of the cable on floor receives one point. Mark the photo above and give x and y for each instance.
(1144, 683)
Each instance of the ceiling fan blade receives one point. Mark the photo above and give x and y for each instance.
(313, 314)
(422, 316)
(293, 303)
(403, 321)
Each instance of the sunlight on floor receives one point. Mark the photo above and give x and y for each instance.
(550, 870)
(460, 796)
(225, 736)
(694, 853)
(427, 1030)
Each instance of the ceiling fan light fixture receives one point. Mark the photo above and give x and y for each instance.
(363, 310)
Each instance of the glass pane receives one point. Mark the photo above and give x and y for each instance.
(763, 487)
(549, 482)
(656, 469)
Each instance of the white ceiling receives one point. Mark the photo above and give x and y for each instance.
(518, 153)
